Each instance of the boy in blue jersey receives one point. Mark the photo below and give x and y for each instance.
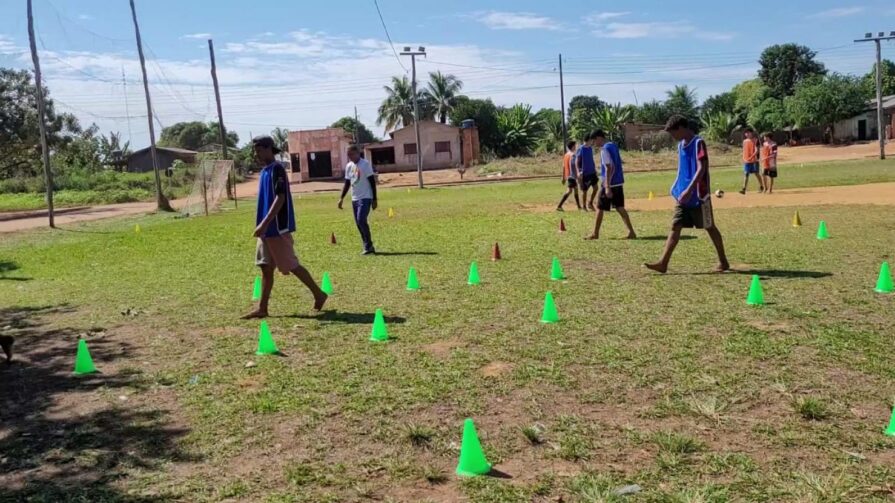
(587, 171)
(692, 192)
(612, 190)
(274, 225)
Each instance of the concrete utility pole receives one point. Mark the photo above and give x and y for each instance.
(880, 127)
(41, 121)
(562, 99)
(421, 51)
(231, 182)
(356, 126)
(161, 200)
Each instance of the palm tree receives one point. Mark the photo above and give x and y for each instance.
(519, 130)
(442, 93)
(397, 108)
(720, 126)
(682, 101)
(281, 139)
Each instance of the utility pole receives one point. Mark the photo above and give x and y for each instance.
(562, 99)
(356, 126)
(421, 51)
(231, 184)
(127, 110)
(161, 200)
(41, 122)
(880, 127)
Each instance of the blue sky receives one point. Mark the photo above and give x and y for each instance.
(302, 65)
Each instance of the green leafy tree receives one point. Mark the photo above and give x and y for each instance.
(770, 115)
(748, 95)
(593, 103)
(868, 83)
(724, 103)
(652, 112)
(551, 132)
(611, 119)
(682, 101)
(195, 135)
(719, 126)
(519, 131)
(484, 114)
(350, 125)
(581, 111)
(281, 140)
(822, 101)
(784, 66)
(80, 155)
(112, 144)
(396, 109)
(441, 94)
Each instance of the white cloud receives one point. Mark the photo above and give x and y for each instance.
(516, 21)
(659, 30)
(197, 36)
(603, 16)
(85, 17)
(838, 12)
(8, 46)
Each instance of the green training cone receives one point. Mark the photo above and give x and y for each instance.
(413, 282)
(380, 331)
(326, 284)
(890, 431)
(822, 232)
(756, 295)
(266, 345)
(474, 274)
(550, 315)
(556, 271)
(472, 459)
(83, 361)
(256, 290)
(884, 283)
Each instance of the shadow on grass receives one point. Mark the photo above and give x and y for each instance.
(347, 318)
(7, 266)
(782, 273)
(404, 254)
(664, 237)
(61, 441)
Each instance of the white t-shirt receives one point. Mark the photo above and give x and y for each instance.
(359, 174)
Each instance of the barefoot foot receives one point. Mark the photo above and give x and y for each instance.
(658, 267)
(631, 236)
(320, 301)
(592, 237)
(256, 314)
(722, 267)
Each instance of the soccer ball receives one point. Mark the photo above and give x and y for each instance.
(719, 193)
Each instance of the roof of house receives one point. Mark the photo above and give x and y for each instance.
(423, 123)
(175, 150)
(888, 102)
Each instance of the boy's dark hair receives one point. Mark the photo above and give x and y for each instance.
(571, 145)
(676, 122)
(598, 134)
(749, 130)
(769, 136)
(594, 134)
(354, 148)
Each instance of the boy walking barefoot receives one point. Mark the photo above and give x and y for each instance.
(275, 223)
(769, 162)
(750, 160)
(569, 176)
(693, 194)
(612, 190)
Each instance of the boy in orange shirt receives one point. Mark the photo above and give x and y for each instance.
(750, 160)
(569, 176)
(769, 162)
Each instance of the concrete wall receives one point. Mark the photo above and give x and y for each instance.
(333, 140)
(847, 130)
(430, 132)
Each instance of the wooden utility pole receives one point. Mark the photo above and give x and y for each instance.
(356, 126)
(231, 182)
(41, 121)
(880, 127)
(562, 99)
(162, 201)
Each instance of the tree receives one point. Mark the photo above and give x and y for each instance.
(109, 145)
(19, 132)
(281, 140)
(868, 83)
(611, 119)
(350, 125)
(724, 103)
(770, 115)
(397, 107)
(652, 112)
(441, 94)
(551, 131)
(583, 108)
(484, 114)
(719, 126)
(519, 130)
(195, 135)
(748, 95)
(822, 101)
(682, 101)
(784, 66)
(80, 155)
(593, 103)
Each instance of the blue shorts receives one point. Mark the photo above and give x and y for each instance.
(750, 167)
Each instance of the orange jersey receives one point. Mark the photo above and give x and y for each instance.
(567, 165)
(749, 151)
(769, 155)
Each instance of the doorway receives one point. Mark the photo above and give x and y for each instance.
(296, 163)
(862, 130)
(320, 164)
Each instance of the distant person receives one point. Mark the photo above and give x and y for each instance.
(692, 192)
(612, 188)
(275, 223)
(360, 178)
(750, 160)
(587, 170)
(769, 162)
(6, 342)
(569, 176)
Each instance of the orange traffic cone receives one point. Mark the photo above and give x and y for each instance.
(562, 225)
(495, 255)
(332, 238)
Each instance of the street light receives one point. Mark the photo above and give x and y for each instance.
(421, 51)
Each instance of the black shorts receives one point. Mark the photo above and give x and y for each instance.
(771, 172)
(700, 217)
(616, 201)
(571, 182)
(588, 181)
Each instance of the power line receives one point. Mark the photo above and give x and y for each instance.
(389, 37)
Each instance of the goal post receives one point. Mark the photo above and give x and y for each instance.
(209, 187)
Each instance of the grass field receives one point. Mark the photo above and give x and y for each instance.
(669, 382)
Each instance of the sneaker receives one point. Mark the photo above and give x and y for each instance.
(369, 252)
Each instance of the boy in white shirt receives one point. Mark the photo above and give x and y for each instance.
(359, 177)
